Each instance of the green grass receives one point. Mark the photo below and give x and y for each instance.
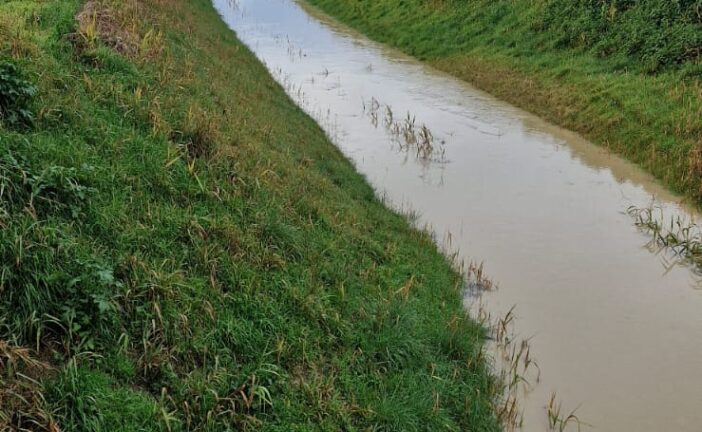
(183, 249)
(624, 74)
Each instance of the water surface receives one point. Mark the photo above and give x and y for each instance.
(614, 331)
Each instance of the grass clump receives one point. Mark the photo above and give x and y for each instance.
(183, 249)
(199, 137)
(625, 74)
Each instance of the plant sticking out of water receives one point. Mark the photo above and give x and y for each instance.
(502, 329)
(389, 117)
(681, 238)
(558, 422)
(477, 281)
(425, 143)
(294, 52)
(514, 365)
(373, 111)
(515, 371)
(515, 368)
(517, 364)
(406, 133)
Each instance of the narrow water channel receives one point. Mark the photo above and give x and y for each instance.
(616, 331)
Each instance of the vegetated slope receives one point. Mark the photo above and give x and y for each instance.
(626, 74)
(181, 248)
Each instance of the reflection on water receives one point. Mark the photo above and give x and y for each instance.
(614, 330)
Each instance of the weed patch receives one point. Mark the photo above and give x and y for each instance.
(16, 94)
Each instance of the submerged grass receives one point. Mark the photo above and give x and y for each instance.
(624, 74)
(181, 248)
(409, 137)
(679, 239)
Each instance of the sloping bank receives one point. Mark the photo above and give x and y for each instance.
(181, 248)
(624, 74)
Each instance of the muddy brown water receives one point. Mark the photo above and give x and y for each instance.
(616, 332)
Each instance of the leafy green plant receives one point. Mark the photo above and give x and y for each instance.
(15, 96)
(61, 189)
(55, 190)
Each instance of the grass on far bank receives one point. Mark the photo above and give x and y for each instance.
(626, 75)
(181, 248)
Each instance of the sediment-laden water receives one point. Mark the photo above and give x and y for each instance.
(615, 326)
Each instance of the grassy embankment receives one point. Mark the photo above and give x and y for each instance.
(181, 248)
(624, 74)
